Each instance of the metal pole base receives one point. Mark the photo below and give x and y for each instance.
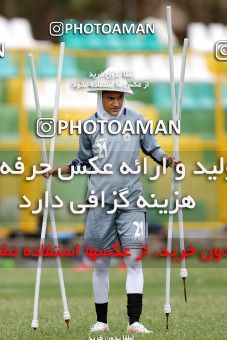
(185, 292)
(35, 324)
(167, 321)
(67, 317)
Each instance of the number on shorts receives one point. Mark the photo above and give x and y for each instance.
(139, 229)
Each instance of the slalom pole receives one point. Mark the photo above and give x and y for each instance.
(183, 271)
(66, 314)
(176, 115)
(35, 324)
(167, 307)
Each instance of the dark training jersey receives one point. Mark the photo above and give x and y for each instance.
(116, 149)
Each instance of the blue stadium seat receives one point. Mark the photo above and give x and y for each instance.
(132, 42)
(189, 102)
(9, 127)
(224, 96)
(150, 42)
(112, 41)
(205, 96)
(72, 40)
(92, 41)
(161, 97)
(70, 68)
(8, 67)
(46, 66)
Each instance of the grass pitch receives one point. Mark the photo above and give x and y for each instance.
(203, 317)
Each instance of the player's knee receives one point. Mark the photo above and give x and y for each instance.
(132, 260)
(133, 264)
(101, 266)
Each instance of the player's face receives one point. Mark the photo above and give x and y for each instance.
(112, 102)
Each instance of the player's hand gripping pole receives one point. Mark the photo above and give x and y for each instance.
(176, 114)
(66, 314)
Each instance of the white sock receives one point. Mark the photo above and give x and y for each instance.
(134, 280)
(100, 279)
